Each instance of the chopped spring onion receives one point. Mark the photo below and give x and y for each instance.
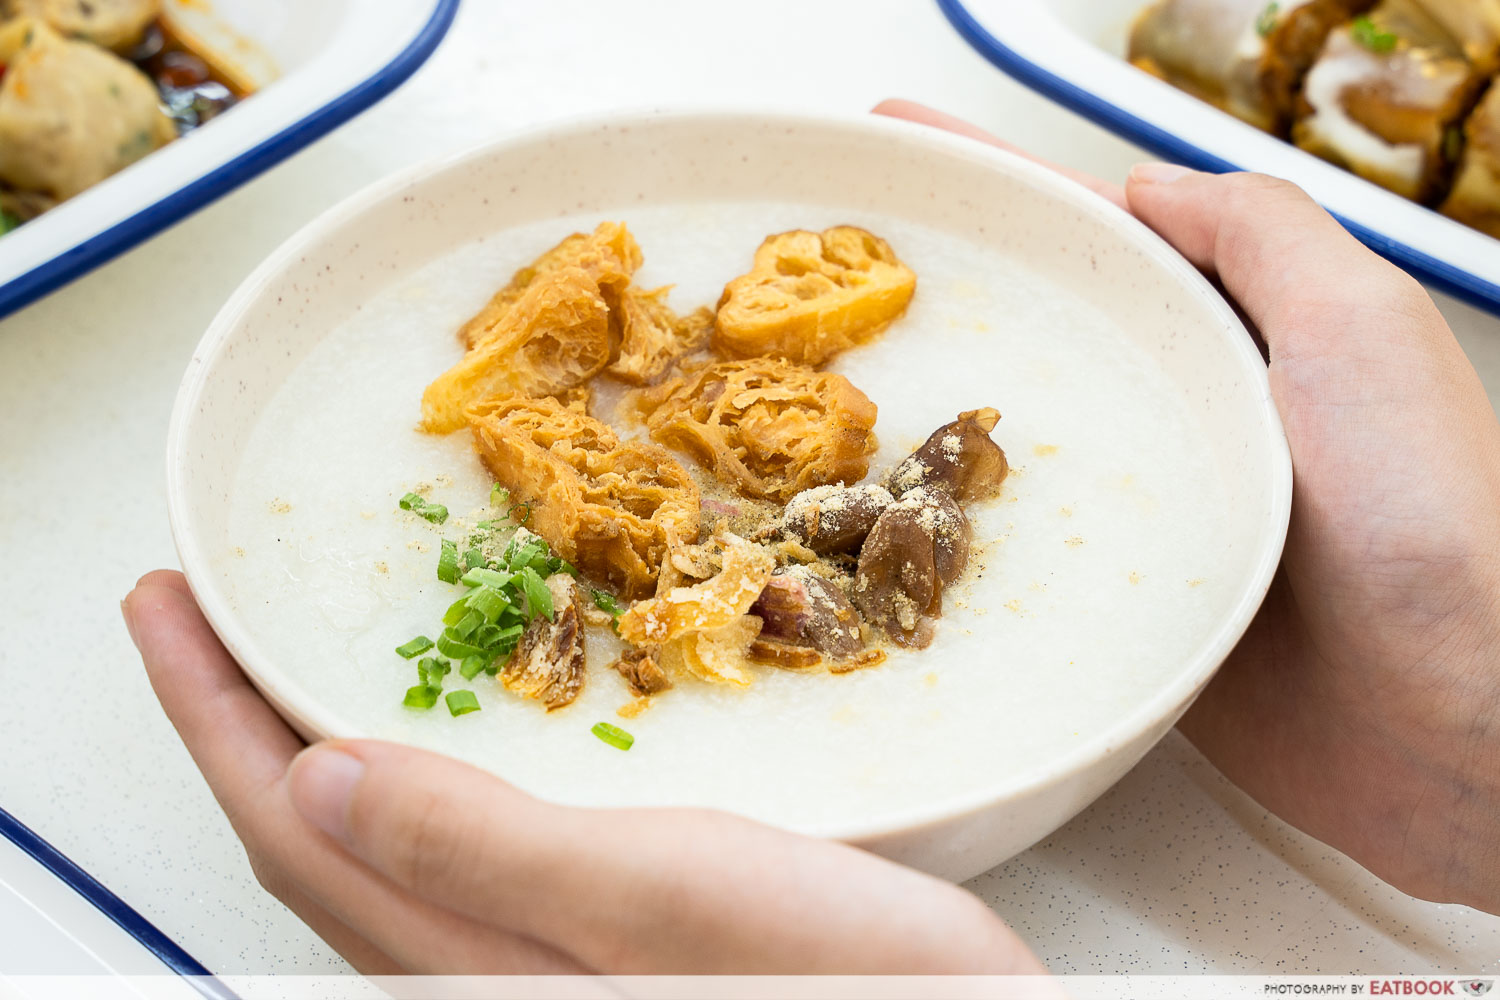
(1266, 23)
(605, 601)
(8, 221)
(498, 495)
(434, 512)
(486, 577)
(420, 644)
(473, 558)
(451, 645)
(525, 515)
(421, 696)
(487, 602)
(448, 562)
(1371, 37)
(613, 735)
(461, 702)
(472, 667)
(538, 597)
(456, 611)
(467, 624)
(432, 670)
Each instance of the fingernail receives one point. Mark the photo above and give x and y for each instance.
(321, 783)
(1159, 173)
(129, 622)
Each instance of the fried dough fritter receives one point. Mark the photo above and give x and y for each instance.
(809, 296)
(767, 427)
(607, 506)
(554, 338)
(653, 337)
(609, 255)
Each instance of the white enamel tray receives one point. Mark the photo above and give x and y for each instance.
(1072, 51)
(318, 62)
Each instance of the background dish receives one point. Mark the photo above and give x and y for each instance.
(1072, 51)
(717, 169)
(317, 62)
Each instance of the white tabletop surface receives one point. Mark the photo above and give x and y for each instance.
(1172, 871)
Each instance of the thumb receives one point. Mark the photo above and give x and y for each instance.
(1307, 285)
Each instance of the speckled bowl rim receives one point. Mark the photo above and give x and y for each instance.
(1165, 706)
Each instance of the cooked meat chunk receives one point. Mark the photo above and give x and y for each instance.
(71, 113)
(1387, 116)
(1247, 57)
(114, 24)
(809, 296)
(609, 256)
(768, 428)
(548, 664)
(554, 338)
(607, 506)
(919, 545)
(800, 608)
(831, 519)
(653, 337)
(641, 672)
(1475, 199)
(958, 458)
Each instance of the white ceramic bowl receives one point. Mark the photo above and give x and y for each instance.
(954, 187)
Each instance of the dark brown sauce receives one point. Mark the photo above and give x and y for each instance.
(193, 89)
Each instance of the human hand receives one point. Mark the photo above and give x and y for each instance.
(1358, 707)
(406, 861)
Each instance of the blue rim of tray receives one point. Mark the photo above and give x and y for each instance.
(102, 247)
(169, 952)
(1440, 274)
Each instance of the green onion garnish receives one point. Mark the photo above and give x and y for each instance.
(473, 557)
(487, 602)
(498, 495)
(420, 644)
(483, 576)
(448, 562)
(421, 696)
(605, 601)
(461, 702)
(467, 624)
(613, 735)
(538, 597)
(524, 508)
(434, 512)
(431, 671)
(456, 611)
(8, 221)
(451, 645)
(1266, 23)
(1367, 34)
(472, 667)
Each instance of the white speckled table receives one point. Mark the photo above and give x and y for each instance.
(1172, 871)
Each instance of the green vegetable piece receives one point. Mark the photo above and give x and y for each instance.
(462, 702)
(1367, 34)
(1266, 23)
(420, 644)
(613, 735)
(467, 624)
(487, 578)
(448, 562)
(488, 602)
(538, 597)
(421, 696)
(451, 645)
(8, 222)
(456, 611)
(472, 666)
(605, 601)
(498, 495)
(473, 558)
(431, 671)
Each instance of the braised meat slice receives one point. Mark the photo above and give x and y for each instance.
(831, 519)
(959, 459)
(800, 608)
(548, 664)
(919, 545)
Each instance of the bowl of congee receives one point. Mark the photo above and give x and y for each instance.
(844, 474)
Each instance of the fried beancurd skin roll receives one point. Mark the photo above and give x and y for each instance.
(1385, 97)
(1246, 57)
(1475, 198)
